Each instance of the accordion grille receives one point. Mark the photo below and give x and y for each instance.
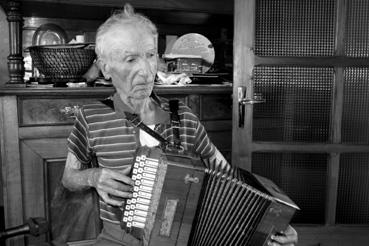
(229, 212)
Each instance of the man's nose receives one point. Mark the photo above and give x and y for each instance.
(145, 67)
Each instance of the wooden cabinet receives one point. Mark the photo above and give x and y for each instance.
(34, 129)
(212, 18)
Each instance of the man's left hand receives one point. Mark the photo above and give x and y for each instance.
(287, 238)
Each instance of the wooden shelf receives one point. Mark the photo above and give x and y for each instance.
(208, 6)
(101, 91)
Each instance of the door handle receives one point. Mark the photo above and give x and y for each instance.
(243, 100)
(241, 93)
(258, 98)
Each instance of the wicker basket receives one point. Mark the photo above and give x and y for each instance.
(63, 63)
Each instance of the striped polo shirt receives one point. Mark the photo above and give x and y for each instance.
(105, 133)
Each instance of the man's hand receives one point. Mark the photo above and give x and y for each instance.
(110, 183)
(107, 182)
(287, 238)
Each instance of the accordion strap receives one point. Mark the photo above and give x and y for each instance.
(137, 122)
(174, 121)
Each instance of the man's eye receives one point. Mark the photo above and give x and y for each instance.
(150, 55)
(131, 60)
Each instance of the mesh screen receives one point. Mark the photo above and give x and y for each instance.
(353, 192)
(355, 118)
(298, 104)
(357, 32)
(301, 176)
(295, 28)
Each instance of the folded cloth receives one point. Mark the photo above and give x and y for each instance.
(173, 79)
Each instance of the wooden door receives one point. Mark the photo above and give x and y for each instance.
(309, 62)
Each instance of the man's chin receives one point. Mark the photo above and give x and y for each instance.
(140, 95)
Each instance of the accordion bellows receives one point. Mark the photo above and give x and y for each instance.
(182, 203)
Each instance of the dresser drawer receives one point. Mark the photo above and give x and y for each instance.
(49, 111)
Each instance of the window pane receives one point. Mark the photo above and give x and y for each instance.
(353, 189)
(355, 115)
(298, 104)
(357, 32)
(301, 176)
(295, 28)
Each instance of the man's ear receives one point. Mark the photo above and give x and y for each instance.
(104, 68)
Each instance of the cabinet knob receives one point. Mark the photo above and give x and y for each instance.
(70, 111)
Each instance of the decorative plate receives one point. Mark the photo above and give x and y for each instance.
(49, 33)
(197, 45)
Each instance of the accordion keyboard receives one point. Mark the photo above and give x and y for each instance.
(137, 208)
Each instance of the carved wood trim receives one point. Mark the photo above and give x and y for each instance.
(15, 58)
(11, 166)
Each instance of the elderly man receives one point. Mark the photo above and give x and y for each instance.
(127, 54)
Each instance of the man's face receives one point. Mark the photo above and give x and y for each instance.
(132, 64)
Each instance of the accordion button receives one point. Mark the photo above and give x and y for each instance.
(148, 182)
(143, 201)
(148, 176)
(140, 213)
(139, 225)
(142, 207)
(139, 219)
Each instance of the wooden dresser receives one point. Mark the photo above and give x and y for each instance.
(34, 125)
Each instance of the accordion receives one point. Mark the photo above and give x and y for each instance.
(176, 201)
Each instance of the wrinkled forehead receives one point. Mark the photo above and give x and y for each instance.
(120, 39)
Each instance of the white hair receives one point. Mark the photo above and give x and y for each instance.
(125, 17)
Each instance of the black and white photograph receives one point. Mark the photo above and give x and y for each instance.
(184, 122)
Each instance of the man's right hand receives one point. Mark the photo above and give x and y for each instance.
(111, 183)
(107, 182)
